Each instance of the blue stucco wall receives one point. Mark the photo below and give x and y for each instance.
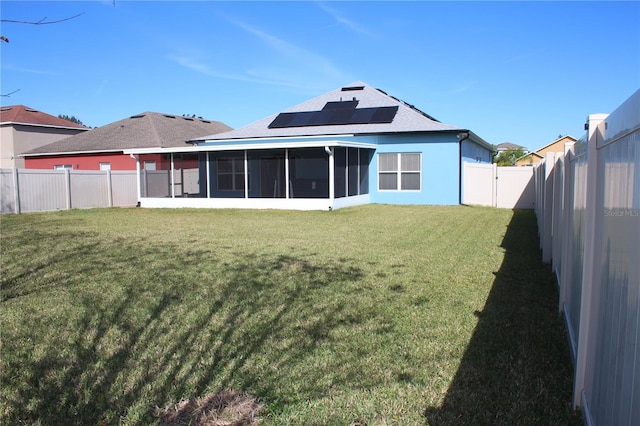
(440, 169)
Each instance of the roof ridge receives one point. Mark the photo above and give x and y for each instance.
(153, 125)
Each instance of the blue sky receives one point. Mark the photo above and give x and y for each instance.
(522, 72)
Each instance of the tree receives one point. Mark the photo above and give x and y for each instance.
(72, 119)
(43, 21)
(508, 157)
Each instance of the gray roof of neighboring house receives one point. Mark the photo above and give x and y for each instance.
(508, 145)
(407, 119)
(20, 114)
(145, 130)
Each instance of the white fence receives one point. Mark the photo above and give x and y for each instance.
(502, 187)
(29, 190)
(588, 211)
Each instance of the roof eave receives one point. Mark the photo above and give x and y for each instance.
(260, 144)
(5, 123)
(267, 138)
(53, 154)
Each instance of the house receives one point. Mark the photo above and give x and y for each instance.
(23, 128)
(536, 156)
(353, 145)
(507, 146)
(102, 148)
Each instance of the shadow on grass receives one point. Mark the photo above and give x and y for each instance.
(516, 369)
(169, 336)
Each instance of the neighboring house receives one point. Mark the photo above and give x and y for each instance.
(508, 145)
(102, 148)
(533, 158)
(23, 129)
(353, 145)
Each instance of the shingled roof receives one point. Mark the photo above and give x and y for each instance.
(20, 114)
(145, 130)
(407, 118)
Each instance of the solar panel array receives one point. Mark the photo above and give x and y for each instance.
(335, 113)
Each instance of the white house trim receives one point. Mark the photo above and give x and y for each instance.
(251, 146)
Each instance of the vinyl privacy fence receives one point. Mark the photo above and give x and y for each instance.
(588, 212)
(31, 190)
(502, 187)
(27, 190)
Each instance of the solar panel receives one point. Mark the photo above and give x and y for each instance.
(335, 117)
(384, 114)
(341, 105)
(282, 120)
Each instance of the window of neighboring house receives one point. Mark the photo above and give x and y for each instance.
(150, 165)
(230, 174)
(63, 167)
(399, 171)
(105, 166)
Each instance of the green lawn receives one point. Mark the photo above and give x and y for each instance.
(369, 315)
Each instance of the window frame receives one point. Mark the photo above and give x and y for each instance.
(399, 172)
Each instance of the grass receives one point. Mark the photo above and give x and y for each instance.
(369, 315)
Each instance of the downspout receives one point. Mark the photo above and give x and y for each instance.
(138, 180)
(462, 136)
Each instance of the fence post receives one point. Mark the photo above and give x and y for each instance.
(567, 224)
(558, 206)
(67, 181)
(539, 207)
(547, 202)
(590, 265)
(109, 189)
(16, 191)
(494, 179)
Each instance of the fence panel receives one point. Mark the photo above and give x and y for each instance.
(124, 188)
(7, 194)
(42, 190)
(50, 190)
(515, 188)
(89, 189)
(575, 243)
(479, 184)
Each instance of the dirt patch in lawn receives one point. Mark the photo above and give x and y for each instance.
(225, 408)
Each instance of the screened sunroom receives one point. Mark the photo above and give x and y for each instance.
(309, 177)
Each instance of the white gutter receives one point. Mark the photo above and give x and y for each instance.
(252, 146)
(44, 154)
(6, 123)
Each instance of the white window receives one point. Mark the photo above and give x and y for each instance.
(105, 166)
(400, 171)
(150, 165)
(63, 167)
